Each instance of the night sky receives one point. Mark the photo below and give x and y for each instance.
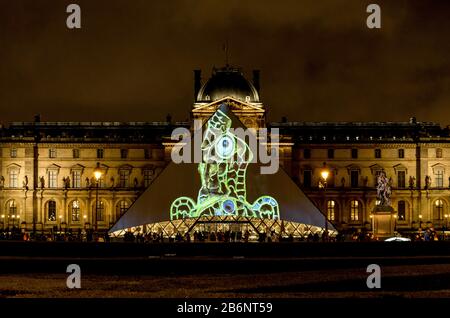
(134, 60)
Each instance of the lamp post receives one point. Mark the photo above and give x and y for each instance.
(3, 222)
(395, 222)
(13, 217)
(420, 221)
(60, 222)
(97, 175)
(324, 174)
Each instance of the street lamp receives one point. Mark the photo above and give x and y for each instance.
(420, 221)
(324, 174)
(60, 221)
(395, 222)
(97, 175)
(3, 222)
(446, 226)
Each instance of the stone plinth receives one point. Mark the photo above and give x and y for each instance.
(383, 221)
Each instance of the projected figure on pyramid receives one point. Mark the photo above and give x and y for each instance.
(223, 178)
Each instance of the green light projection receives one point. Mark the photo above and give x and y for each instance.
(223, 178)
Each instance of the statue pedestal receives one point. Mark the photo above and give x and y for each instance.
(383, 221)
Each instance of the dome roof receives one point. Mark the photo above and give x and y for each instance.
(228, 81)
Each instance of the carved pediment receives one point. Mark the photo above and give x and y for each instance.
(400, 167)
(438, 167)
(53, 167)
(13, 166)
(376, 168)
(353, 167)
(126, 167)
(232, 103)
(77, 167)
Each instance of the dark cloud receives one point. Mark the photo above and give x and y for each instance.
(133, 60)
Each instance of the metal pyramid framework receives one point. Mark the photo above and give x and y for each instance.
(222, 192)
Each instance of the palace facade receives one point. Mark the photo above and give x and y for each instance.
(47, 177)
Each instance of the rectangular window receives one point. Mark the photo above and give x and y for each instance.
(53, 179)
(76, 179)
(99, 153)
(52, 153)
(124, 178)
(440, 178)
(13, 152)
(14, 178)
(354, 179)
(401, 153)
(438, 153)
(401, 210)
(124, 153)
(401, 179)
(307, 153)
(147, 154)
(100, 213)
(307, 178)
(378, 153)
(354, 153)
(354, 210)
(330, 153)
(76, 153)
(148, 177)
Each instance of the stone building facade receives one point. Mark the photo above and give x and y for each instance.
(47, 168)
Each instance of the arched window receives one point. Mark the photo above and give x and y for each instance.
(100, 210)
(12, 208)
(438, 209)
(331, 210)
(122, 207)
(401, 210)
(354, 210)
(51, 210)
(75, 210)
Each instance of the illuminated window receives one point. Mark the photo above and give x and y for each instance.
(14, 178)
(52, 179)
(75, 207)
(124, 181)
(401, 179)
(51, 210)
(401, 210)
(438, 153)
(52, 153)
(100, 210)
(148, 177)
(12, 207)
(438, 209)
(354, 210)
(100, 153)
(76, 179)
(401, 153)
(13, 153)
(76, 153)
(331, 210)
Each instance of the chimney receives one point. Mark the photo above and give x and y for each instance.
(197, 82)
(256, 80)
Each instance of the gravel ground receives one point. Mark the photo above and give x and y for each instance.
(397, 281)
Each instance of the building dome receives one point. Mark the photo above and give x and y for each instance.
(228, 81)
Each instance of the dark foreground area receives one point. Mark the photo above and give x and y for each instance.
(306, 270)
